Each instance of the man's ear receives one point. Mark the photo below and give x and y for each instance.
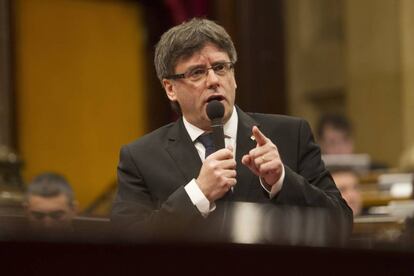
(169, 89)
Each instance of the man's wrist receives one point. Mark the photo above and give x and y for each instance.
(275, 188)
(198, 198)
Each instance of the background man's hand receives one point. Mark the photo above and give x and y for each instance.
(218, 174)
(264, 160)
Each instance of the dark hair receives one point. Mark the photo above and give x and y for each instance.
(336, 121)
(184, 40)
(50, 185)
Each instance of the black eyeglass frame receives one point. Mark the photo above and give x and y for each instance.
(228, 64)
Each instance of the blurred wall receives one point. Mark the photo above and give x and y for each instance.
(315, 57)
(80, 88)
(356, 58)
(379, 67)
(6, 133)
(407, 63)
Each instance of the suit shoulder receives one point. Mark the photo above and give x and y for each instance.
(276, 118)
(276, 123)
(153, 138)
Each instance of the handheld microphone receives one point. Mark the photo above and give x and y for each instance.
(215, 112)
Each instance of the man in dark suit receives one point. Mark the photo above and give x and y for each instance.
(170, 177)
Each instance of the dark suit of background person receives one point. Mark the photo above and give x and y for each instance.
(154, 170)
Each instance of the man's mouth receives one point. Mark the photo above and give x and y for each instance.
(215, 97)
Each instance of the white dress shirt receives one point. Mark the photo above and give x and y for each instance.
(230, 136)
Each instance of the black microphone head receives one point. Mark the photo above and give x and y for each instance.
(215, 110)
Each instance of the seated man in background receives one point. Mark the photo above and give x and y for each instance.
(335, 134)
(336, 140)
(347, 182)
(50, 204)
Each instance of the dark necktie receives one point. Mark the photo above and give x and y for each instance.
(207, 140)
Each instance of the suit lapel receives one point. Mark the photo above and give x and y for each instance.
(182, 151)
(244, 145)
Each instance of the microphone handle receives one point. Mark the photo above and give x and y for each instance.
(218, 134)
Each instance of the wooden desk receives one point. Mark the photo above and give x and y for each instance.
(374, 224)
(185, 258)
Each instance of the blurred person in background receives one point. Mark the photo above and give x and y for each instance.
(50, 203)
(335, 134)
(347, 182)
(336, 139)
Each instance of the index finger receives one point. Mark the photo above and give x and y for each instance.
(221, 154)
(259, 136)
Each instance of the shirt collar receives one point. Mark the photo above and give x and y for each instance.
(229, 128)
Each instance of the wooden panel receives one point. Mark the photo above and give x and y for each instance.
(80, 87)
(6, 115)
(257, 31)
(374, 77)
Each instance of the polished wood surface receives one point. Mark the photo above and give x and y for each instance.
(204, 259)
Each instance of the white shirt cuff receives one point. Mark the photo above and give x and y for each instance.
(274, 189)
(199, 199)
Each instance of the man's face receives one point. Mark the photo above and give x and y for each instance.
(50, 212)
(335, 141)
(347, 184)
(193, 96)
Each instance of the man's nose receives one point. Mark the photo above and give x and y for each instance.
(211, 78)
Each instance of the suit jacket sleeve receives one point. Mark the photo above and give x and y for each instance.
(309, 183)
(135, 208)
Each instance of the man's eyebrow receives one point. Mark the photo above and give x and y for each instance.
(219, 62)
(195, 66)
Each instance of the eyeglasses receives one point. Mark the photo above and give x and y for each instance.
(198, 73)
(55, 215)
